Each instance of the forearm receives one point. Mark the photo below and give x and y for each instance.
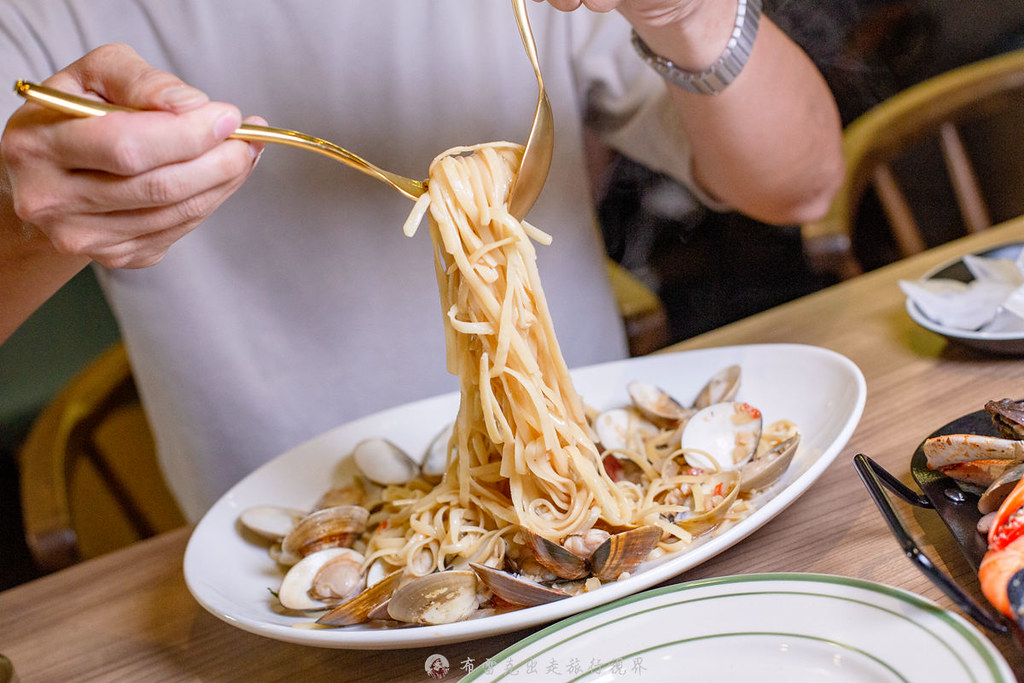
(768, 145)
(31, 270)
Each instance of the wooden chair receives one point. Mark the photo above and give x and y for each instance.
(89, 478)
(941, 108)
(643, 313)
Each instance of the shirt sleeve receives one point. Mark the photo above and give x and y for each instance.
(626, 103)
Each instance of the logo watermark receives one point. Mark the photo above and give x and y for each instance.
(436, 666)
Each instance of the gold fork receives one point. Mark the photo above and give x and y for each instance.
(533, 170)
(82, 107)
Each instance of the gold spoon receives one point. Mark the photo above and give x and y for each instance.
(82, 107)
(533, 170)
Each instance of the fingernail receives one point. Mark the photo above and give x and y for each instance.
(182, 97)
(225, 126)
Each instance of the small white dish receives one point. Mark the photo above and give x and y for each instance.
(1009, 342)
(230, 575)
(770, 628)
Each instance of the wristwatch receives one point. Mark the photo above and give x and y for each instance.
(726, 68)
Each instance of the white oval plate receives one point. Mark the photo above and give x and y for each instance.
(230, 574)
(769, 628)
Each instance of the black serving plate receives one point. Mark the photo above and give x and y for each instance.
(1007, 343)
(957, 508)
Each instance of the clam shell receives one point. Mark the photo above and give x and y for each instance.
(766, 469)
(435, 460)
(555, 558)
(722, 387)
(272, 522)
(438, 598)
(382, 462)
(622, 428)
(999, 489)
(657, 404)
(328, 528)
(624, 551)
(364, 605)
(314, 583)
(516, 590)
(700, 522)
(727, 435)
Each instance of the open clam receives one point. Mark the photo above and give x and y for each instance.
(656, 404)
(382, 462)
(332, 527)
(623, 428)
(435, 460)
(438, 598)
(764, 469)
(271, 522)
(722, 436)
(516, 589)
(722, 387)
(322, 579)
(365, 605)
(724, 488)
(623, 552)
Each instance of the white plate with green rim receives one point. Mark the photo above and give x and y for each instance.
(760, 627)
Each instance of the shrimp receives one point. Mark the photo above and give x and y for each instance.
(1005, 556)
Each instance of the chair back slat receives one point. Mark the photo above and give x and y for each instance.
(898, 211)
(965, 182)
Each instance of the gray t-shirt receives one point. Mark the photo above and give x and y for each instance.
(299, 305)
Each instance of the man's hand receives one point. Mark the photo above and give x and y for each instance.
(122, 188)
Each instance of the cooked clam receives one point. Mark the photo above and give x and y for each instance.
(322, 579)
(656, 404)
(438, 598)
(382, 462)
(999, 489)
(435, 461)
(272, 522)
(620, 428)
(328, 528)
(365, 605)
(714, 507)
(516, 589)
(555, 558)
(764, 469)
(722, 387)
(623, 552)
(725, 436)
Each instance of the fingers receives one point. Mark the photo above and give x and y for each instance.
(123, 187)
(118, 74)
(139, 237)
(129, 144)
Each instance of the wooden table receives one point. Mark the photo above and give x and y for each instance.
(128, 615)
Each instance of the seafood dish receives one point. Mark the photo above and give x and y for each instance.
(525, 498)
(990, 466)
(705, 461)
(228, 570)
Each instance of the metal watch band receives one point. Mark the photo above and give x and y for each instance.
(726, 68)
